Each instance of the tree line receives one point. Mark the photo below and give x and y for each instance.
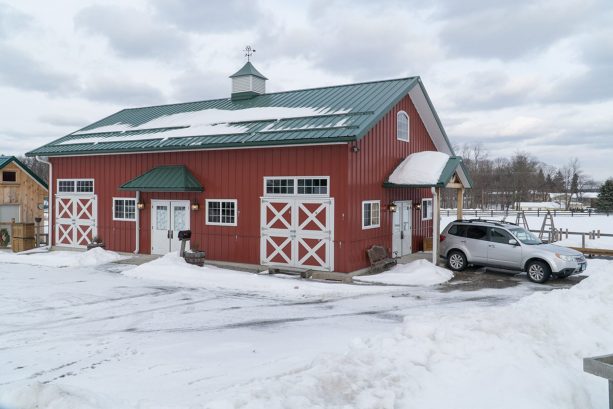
(500, 183)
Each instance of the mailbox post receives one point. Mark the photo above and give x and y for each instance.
(601, 366)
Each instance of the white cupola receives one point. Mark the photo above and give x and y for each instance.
(248, 82)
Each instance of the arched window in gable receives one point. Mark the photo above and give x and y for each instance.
(402, 126)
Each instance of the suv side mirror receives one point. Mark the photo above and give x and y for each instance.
(513, 242)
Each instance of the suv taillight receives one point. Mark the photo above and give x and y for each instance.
(442, 238)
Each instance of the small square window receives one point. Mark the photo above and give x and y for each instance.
(221, 212)
(371, 214)
(124, 209)
(9, 176)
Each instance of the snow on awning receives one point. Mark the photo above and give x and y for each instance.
(428, 169)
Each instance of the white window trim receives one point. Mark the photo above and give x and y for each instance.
(430, 207)
(124, 219)
(206, 220)
(295, 194)
(372, 226)
(408, 126)
(74, 192)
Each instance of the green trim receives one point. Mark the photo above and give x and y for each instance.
(170, 178)
(438, 120)
(342, 139)
(9, 159)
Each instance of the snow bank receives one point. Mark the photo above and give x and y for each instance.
(50, 396)
(524, 355)
(91, 257)
(421, 168)
(419, 272)
(173, 268)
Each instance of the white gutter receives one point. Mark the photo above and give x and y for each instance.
(50, 199)
(435, 225)
(137, 246)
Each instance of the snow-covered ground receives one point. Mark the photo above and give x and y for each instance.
(113, 336)
(574, 224)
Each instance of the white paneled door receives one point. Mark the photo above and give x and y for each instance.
(401, 229)
(167, 219)
(75, 220)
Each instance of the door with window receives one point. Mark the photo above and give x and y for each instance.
(401, 229)
(477, 243)
(500, 252)
(167, 219)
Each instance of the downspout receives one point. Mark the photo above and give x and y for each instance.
(137, 246)
(435, 226)
(50, 212)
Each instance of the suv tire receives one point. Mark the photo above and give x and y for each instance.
(456, 260)
(538, 271)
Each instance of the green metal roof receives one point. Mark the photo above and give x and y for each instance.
(5, 160)
(341, 113)
(446, 174)
(248, 69)
(173, 178)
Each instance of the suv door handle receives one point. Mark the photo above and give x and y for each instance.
(491, 245)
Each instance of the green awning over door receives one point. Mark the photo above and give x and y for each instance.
(173, 178)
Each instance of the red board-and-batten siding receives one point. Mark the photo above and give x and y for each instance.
(239, 173)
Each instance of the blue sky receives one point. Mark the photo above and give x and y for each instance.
(531, 76)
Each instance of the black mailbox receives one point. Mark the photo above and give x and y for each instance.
(185, 234)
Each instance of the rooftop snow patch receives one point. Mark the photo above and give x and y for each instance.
(198, 123)
(421, 168)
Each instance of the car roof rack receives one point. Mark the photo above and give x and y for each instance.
(496, 222)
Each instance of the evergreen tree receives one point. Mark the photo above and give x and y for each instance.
(605, 197)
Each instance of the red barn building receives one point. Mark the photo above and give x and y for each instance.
(295, 179)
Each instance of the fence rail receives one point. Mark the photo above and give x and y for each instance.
(477, 213)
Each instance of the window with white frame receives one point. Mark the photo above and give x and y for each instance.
(402, 126)
(371, 214)
(221, 212)
(124, 209)
(297, 186)
(78, 186)
(426, 209)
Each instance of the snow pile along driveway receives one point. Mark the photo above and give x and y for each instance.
(418, 272)
(525, 355)
(93, 257)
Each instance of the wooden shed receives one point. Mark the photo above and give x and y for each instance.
(22, 194)
(293, 179)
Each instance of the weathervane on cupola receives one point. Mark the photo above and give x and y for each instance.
(248, 82)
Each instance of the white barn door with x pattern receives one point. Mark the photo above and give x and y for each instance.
(298, 232)
(75, 220)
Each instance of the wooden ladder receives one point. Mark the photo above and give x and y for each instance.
(520, 217)
(549, 227)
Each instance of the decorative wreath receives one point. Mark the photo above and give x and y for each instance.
(5, 237)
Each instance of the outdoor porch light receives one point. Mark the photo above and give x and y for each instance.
(140, 205)
(195, 206)
(417, 206)
(392, 207)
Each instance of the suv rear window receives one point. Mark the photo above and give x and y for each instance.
(458, 230)
(477, 232)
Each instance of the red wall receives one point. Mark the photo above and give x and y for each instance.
(380, 153)
(238, 174)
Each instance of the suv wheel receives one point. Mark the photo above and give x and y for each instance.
(456, 260)
(538, 272)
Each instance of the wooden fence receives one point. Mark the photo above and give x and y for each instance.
(481, 213)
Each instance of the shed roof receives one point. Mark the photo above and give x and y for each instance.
(417, 170)
(172, 178)
(5, 160)
(331, 114)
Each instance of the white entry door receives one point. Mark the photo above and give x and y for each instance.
(297, 233)
(401, 229)
(75, 220)
(167, 219)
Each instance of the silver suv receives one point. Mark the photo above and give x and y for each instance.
(507, 246)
